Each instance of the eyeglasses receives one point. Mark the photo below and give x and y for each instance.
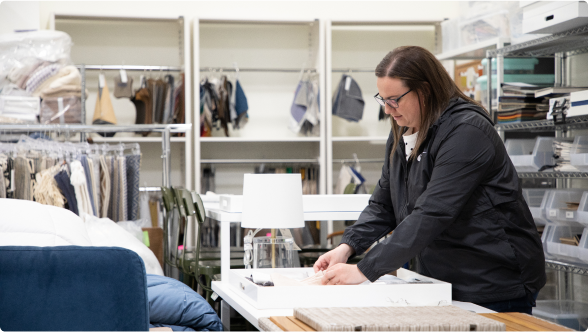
(391, 102)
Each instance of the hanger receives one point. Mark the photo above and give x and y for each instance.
(236, 70)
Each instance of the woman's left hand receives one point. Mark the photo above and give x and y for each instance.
(343, 274)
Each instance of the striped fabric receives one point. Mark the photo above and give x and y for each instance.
(40, 76)
(122, 187)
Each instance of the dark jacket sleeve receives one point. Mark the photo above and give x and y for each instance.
(377, 219)
(461, 163)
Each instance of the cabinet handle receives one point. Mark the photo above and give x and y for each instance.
(549, 18)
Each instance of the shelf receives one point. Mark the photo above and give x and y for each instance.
(258, 140)
(553, 175)
(476, 51)
(136, 139)
(571, 42)
(382, 139)
(566, 267)
(571, 123)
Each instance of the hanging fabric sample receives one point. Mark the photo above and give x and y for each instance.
(105, 183)
(123, 89)
(348, 102)
(132, 169)
(67, 190)
(241, 106)
(104, 112)
(305, 107)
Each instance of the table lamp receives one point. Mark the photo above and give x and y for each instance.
(270, 201)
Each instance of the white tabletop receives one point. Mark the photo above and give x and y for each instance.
(224, 216)
(253, 314)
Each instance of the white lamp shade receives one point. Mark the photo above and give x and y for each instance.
(272, 201)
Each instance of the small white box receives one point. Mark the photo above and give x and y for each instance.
(554, 16)
(231, 203)
(310, 203)
(364, 295)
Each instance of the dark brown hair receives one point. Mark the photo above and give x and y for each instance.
(421, 72)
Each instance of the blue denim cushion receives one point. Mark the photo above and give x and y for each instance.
(72, 288)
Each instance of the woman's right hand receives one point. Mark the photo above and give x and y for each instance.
(335, 256)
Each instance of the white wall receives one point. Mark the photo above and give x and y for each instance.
(335, 10)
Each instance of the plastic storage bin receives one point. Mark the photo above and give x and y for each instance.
(450, 33)
(529, 155)
(556, 207)
(514, 65)
(583, 247)
(536, 199)
(583, 210)
(481, 28)
(563, 252)
(579, 153)
(567, 313)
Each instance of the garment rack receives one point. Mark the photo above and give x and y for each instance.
(265, 70)
(372, 160)
(352, 70)
(166, 131)
(260, 161)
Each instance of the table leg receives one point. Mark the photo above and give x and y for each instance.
(225, 309)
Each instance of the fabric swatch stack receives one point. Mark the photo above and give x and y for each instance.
(518, 104)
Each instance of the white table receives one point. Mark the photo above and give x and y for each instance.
(231, 298)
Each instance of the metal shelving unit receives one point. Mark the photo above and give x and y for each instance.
(560, 46)
(571, 42)
(553, 175)
(566, 267)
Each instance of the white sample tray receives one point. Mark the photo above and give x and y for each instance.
(367, 294)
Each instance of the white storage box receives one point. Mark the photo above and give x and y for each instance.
(583, 210)
(564, 312)
(536, 199)
(579, 153)
(563, 252)
(554, 16)
(364, 295)
(529, 155)
(310, 203)
(556, 206)
(578, 103)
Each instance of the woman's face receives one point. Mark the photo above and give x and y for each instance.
(408, 113)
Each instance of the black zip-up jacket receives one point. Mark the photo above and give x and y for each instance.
(457, 207)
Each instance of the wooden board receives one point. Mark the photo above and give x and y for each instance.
(514, 322)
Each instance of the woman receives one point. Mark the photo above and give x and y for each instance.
(449, 192)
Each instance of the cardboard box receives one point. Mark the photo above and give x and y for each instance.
(155, 242)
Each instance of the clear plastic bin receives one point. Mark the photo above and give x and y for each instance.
(451, 35)
(561, 251)
(579, 153)
(529, 155)
(564, 312)
(556, 207)
(583, 210)
(536, 200)
(478, 29)
(583, 247)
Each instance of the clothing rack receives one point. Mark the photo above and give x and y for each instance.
(351, 70)
(266, 70)
(372, 160)
(132, 68)
(84, 67)
(166, 131)
(259, 161)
